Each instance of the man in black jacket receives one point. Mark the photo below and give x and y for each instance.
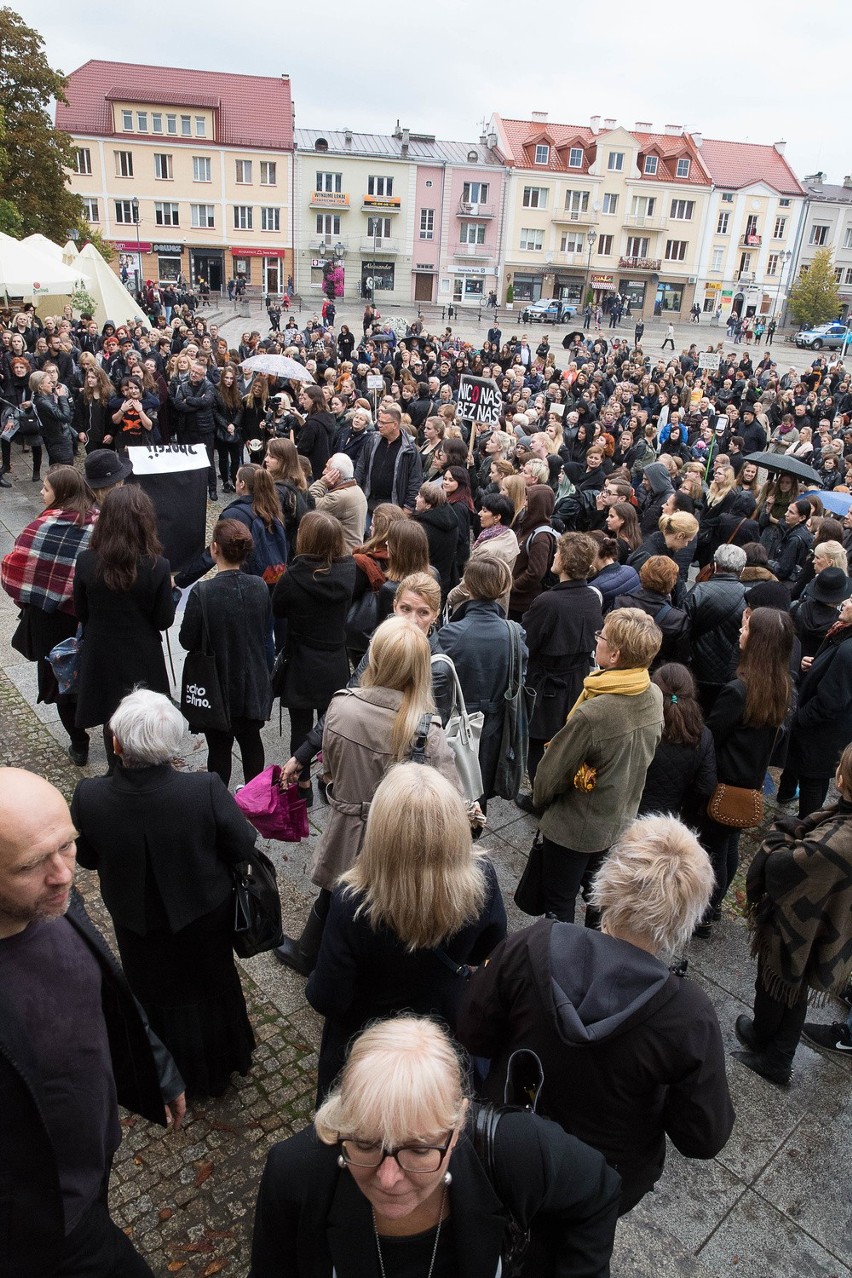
(193, 400)
(389, 467)
(73, 1044)
(715, 610)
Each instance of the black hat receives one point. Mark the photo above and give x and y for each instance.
(103, 468)
(768, 594)
(125, 341)
(831, 586)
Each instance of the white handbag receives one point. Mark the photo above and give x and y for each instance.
(463, 731)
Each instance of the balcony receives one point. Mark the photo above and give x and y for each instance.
(379, 244)
(639, 263)
(579, 217)
(473, 250)
(750, 241)
(330, 200)
(650, 221)
(467, 209)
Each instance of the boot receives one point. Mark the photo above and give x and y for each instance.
(745, 1032)
(301, 955)
(770, 1067)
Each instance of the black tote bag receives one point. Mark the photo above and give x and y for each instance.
(202, 702)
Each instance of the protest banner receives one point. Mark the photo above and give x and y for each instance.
(709, 360)
(479, 400)
(175, 478)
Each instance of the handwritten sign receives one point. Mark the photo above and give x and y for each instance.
(375, 381)
(709, 359)
(479, 400)
(167, 459)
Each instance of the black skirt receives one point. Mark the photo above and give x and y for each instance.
(39, 631)
(190, 988)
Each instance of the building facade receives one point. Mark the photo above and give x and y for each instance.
(598, 209)
(752, 230)
(405, 216)
(188, 174)
(827, 223)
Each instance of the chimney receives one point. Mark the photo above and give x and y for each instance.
(595, 124)
(405, 139)
(698, 139)
(674, 130)
(492, 140)
(609, 124)
(483, 139)
(780, 147)
(347, 136)
(540, 116)
(644, 126)
(847, 182)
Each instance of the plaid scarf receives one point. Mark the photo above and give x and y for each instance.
(799, 904)
(40, 569)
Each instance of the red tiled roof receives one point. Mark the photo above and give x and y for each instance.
(252, 110)
(671, 147)
(738, 164)
(522, 133)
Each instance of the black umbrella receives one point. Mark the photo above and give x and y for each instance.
(786, 465)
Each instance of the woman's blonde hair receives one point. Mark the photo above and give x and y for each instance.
(418, 873)
(655, 883)
(681, 523)
(635, 635)
(724, 482)
(400, 659)
(403, 1081)
(408, 550)
(516, 490)
(834, 553)
(424, 585)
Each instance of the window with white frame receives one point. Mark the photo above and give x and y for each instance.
(124, 212)
(379, 227)
(650, 166)
(535, 197)
(575, 157)
(475, 193)
(682, 169)
(819, 233)
(682, 210)
(156, 121)
(571, 242)
(676, 250)
(186, 126)
(127, 121)
(91, 211)
(427, 224)
(270, 219)
(847, 279)
(780, 228)
(576, 203)
(472, 233)
(727, 197)
(381, 187)
(142, 121)
(532, 239)
(243, 171)
(847, 238)
(201, 126)
(243, 217)
(604, 245)
(772, 263)
(718, 259)
(123, 164)
(268, 173)
(166, 214)
(203, 216)
(329, 182)
(82, 160)
(615, 162)
(637, 245)
(163, 167)
(722, 224)
(171, 123)
(783, 204)
(542, 153)
(642, 207)
(328, 224)
(610, 203)
(201, 171)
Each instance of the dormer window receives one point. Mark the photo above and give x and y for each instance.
(682, 170)
(650, 166)
(542, 153)
(575, 157)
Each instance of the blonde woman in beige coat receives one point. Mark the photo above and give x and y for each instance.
(388, 719)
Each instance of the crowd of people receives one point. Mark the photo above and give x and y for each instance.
(602, 588)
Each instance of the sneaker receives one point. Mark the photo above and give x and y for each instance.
(831, 1038)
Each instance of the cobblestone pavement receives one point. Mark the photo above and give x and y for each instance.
(776, 1203)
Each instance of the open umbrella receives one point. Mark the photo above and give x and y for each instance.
(277, 366)
(786, 466)
(837, 503)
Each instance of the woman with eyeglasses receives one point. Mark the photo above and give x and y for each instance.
(391, 1178)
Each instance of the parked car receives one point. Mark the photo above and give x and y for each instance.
(550, 310)
(830, 335)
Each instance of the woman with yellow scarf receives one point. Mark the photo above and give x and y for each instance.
(590, 781)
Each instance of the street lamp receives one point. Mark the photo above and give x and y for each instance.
(134, 213)
(591, 236)
(783, 260)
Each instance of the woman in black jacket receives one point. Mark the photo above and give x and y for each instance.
(456, 481)
(314, 595)
(228, 415)
(792, 543)
(91, 410)
(439, 522)
(682, 774)
(282, 463)
(233, 624)
(164, 844)
(53, 410)
(316, 437)
(418, 902)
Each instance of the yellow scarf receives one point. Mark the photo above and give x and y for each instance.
(624, 683)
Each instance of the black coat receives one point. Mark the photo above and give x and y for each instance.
(673, 623)
(822, 724)
(315, 440)
(441, 527)
(461, 514)
(184, 825)
(362, 975)
(715, 610)
(790, 551)
(311, 1210)
(121, 636)
(315, 605)
(560, 626)
(239, 617)
(680, 778)
(32, 1237)
(742, 750)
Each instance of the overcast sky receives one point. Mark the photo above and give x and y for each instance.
(757, 72)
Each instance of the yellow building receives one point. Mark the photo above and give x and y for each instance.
(596, 209)
(186, 173)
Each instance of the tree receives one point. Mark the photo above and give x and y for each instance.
(814, 297)
(34, 156)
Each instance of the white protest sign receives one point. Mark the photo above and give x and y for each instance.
(168, 459)
(709, 359)
(375, 381)
(479, 400)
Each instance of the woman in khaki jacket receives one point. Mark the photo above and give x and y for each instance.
(496, 541)
(388, 719)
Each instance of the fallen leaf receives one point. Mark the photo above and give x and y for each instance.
(176, 1265)
(204, 1172)
(165, 1213)
(215, 1267)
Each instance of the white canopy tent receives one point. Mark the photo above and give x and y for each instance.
(28, 271)
(112, 300)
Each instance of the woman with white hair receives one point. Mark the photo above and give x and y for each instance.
(164, 844)
(392, 1178)
(419, 905)
(631, 1053)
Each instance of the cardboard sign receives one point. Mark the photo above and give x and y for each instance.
(168, 459)
(479, 400)
(709, 359)
(375, 381)
(175, 478)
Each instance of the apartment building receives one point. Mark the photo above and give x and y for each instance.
(406, 216)
(752, 230)
(186, 173)
(827, 223)
(595, 209)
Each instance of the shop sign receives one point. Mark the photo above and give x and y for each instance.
(382, 202)
(712, 286)
(601, 281)
(254, 252)
(470, 270)
(331, 199)
(130, 246)
(168, 248)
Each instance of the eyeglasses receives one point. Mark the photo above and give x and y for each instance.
(600, 637)
(410, 1158)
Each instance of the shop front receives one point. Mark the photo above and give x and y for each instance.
(527, 286)
(633, 292)
(669, 298)
(712, 296)
(601, 284)
(209, 265)
(262, 266)
(469, 283)
(569, 288)
(377, 277)
(129, 262)
(169, 262)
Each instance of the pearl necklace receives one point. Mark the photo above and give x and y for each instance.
(434, 1248)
